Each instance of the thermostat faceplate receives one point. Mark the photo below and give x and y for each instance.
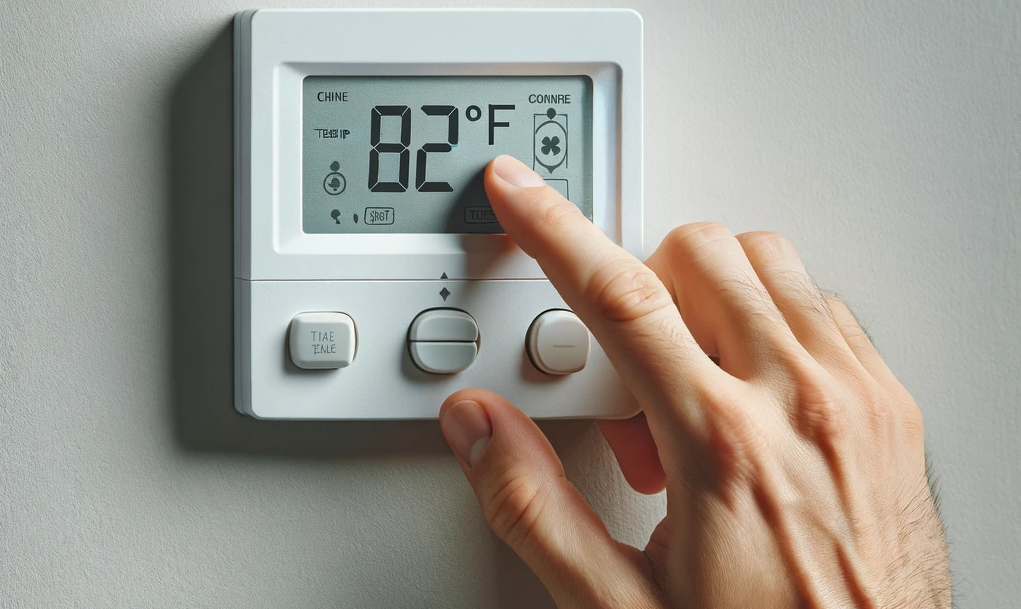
(371, 276)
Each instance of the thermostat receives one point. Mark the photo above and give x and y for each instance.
(372, 278)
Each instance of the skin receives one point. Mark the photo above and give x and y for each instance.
(792, 458)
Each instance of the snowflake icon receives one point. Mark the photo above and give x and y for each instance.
(551, 145)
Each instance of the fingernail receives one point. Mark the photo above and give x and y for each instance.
(468, 430)
(516, 173)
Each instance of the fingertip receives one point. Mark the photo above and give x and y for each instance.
(518, 195)
(467, 428)
(465, 420)
(496, 406)
(636, 452)
(453, 398)
(507, 170)
(647, 483)
(514, 434)
(527, 501)
(474, 394)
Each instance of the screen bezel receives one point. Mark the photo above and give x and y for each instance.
(293, 240)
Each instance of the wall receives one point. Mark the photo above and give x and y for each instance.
(883, 137)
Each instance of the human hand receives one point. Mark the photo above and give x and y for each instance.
(794, 469)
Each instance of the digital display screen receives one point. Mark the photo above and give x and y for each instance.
(406, 154)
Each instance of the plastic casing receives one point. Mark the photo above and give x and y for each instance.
(384, 281)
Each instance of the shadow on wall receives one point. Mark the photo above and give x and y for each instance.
(201, 221)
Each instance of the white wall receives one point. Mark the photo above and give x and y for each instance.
(883, 137)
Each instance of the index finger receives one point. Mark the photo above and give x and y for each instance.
(623, 303)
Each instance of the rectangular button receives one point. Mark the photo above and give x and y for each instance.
(322, 341)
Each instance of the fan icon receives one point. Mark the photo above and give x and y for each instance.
(549, 141)
(551, 145)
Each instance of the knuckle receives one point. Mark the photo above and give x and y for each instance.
(623, 290)
(822, 417)
(767, 245)
(886, 413)
(685, 240)
(738, 445)
(820, 405)
(512, 505)
(877, 413)
(914, 425)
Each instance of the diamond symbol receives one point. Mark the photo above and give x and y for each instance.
(444, 293)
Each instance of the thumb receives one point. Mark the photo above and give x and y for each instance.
(530, 505)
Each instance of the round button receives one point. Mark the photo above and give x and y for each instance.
(443, 358)
(558, 343)
(443, 341)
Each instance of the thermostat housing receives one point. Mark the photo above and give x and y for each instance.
(361, 222)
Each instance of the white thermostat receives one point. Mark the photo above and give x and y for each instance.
(372, 278)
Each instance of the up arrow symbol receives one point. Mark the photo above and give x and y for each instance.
(443, 276)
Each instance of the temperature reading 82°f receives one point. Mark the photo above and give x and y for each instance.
(401, 148)
(406, 154)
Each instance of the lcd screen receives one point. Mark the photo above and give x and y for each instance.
(406, 154)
